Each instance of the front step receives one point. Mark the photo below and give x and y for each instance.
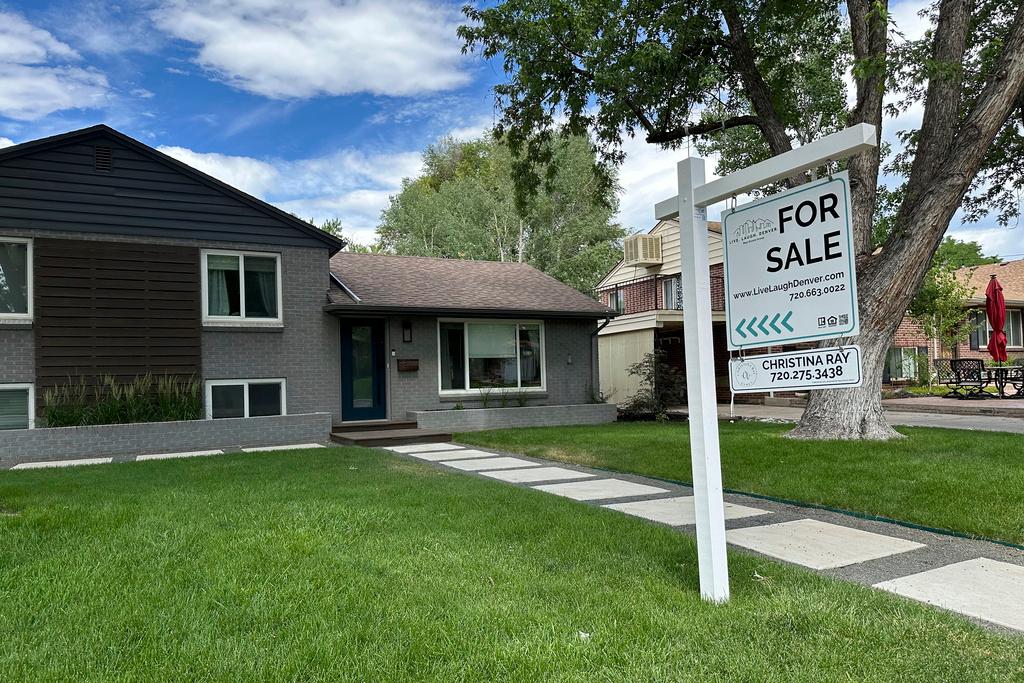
(390, 437)
(346, 427)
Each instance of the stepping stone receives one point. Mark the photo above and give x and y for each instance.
(168, 456)
(678, 511)
(537, 474)
(423, 448)
(293, 447)
(600, 489)
(61, 463)
(980, 588)
(480, 464)
(437, 456)
(818, 545)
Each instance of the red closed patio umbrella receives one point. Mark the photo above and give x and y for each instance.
(995, 309)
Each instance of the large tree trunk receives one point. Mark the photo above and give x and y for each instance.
(949, 153)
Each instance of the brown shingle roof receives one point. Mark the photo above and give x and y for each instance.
(413, 284)
(1010, 274)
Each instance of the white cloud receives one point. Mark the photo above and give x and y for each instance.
(306, 48)
(247, 174)
(5, 142)
(349, 184)
(995, 241)
(36, 78)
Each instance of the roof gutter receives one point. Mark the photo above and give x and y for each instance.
(342, 309)
(601, 327)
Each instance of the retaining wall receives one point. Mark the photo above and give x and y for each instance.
(69, 443)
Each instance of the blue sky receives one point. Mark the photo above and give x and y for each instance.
(319, 106)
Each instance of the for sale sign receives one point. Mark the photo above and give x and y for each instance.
(789, 267)
(831, 368)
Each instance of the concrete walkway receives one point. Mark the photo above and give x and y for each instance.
(981, 580)
(985, 423)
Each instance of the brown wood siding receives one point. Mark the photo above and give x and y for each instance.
(110, 308)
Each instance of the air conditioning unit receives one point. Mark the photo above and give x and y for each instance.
(642, 250)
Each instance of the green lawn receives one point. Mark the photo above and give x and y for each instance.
(345, 564)
(966, 481)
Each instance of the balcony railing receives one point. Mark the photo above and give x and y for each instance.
(647, 293)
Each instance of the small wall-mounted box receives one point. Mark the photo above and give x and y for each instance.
(408, 364)
(642, 250)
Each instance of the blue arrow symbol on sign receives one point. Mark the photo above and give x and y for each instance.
(739, 328)
(785, 321)
(773, 325)
(761, 326)
(750, 326)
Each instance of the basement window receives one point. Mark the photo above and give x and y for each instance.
(17, 406)
(226, 398)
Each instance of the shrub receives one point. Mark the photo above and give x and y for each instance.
(167, 399)
(661, 386)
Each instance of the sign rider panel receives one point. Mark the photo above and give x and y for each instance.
(833, 367)
(789, 267)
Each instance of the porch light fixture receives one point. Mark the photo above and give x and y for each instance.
(406, 331)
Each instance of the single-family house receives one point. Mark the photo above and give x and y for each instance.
(117, 260)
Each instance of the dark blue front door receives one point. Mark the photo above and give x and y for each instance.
(363, 370)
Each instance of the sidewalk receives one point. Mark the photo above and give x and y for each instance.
(985, 423)
(979, 579)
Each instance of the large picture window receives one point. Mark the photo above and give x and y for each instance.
(982, 330)
(15, 278)
(17, 406)
(241, 286)
(244, 398)
(491, 355)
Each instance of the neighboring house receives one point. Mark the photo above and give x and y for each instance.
(116, 259)
(644, 288)
(911, 342)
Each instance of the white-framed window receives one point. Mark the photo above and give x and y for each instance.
(17, 406)
(245, 398)
(1014, 328)
(475, 356)
(241, 287)
(15, 278)
(617, 300)
(671, 294)
(902, 362)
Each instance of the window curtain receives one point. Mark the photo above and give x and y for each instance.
(13, 277)
(218, 267)
(529, 356)
(260, 287)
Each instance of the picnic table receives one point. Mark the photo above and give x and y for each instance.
(1000, 374)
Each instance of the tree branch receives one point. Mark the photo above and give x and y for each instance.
(682, 132)
(870, 46)
(743, 61)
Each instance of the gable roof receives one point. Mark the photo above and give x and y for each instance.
(101, 131)
(417, 284)
(1010, 274)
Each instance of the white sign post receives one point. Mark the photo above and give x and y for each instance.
(790, 271)
(689, 205)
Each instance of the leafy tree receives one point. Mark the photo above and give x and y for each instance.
(332, 226)
(939, 304)
(754, 78)
(465, 205)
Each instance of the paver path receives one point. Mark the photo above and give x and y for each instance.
(979, 579)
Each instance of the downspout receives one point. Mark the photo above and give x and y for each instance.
(595, 358)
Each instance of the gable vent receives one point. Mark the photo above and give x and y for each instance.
(104, 158)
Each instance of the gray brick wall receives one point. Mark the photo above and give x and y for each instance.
(569, 367)
(17, 348)
(306, 352)
(69, 443)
